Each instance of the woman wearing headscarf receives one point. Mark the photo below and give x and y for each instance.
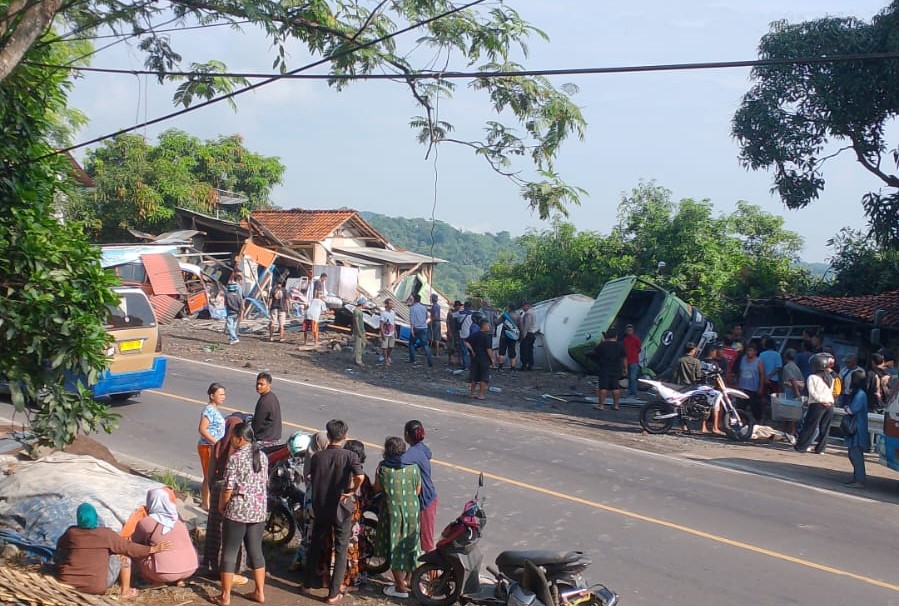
(860, 441)
(82, 555)
(218, 460)
(163, 523)
(243, 506)
(398, 531)
(318, 444)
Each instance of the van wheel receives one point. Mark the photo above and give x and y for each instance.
(119, 398)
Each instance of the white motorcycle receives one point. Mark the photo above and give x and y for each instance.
(696, 403)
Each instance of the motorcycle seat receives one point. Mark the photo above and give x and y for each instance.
(539, 557)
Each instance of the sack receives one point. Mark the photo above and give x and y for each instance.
(849, 425)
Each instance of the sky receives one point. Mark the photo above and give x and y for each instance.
(355, 149)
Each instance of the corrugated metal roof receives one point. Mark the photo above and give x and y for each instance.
(164, 274)
(395, 257)
(166, 307)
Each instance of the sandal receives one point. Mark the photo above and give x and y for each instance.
(392, 592)
(334, 599)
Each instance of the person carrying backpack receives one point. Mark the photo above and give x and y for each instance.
(509, 336)
(462, 320)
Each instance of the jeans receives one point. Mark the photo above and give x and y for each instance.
(421, 336)
(231, 327)
(633, 371)
(466, 357)
(342, 534)
(857, 458)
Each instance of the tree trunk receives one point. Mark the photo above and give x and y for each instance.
(23, 23)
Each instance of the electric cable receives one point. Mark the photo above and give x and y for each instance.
(488, 74)
(262, 83)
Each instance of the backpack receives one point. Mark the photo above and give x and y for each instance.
(510, 329)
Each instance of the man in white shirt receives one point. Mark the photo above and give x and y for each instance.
(528, 335)
(418, 321)
(388, 331)
(820, 405)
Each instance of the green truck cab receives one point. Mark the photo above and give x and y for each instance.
(663, 322)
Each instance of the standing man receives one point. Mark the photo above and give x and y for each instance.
(688, 368)
(358, 331)
(436, 319)
(632, 346)
(480, 345)
(612, 361)
(850, 363)
(462, 319)
(453, 339)
(387, 329)
(418, 319)
(509, 336)
(277, 311)
(267, 414)
(820, 405)
(233, 307)
(320, 287)
(528, 335)
(335, 475)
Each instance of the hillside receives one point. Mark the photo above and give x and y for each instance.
(468, 254)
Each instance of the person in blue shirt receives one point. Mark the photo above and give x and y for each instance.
(419, 454)
(858, 442)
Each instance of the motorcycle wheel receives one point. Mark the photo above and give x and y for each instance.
(738, 425)
(435, 585)
(280, 526)
(373, 564)
(650, 423)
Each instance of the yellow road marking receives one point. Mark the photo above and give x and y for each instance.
(611, 509)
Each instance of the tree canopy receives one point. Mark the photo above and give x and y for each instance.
(859, 266)
(355, 37)
(712, 261)
(139, 185)
(798, 115)
(469, 254)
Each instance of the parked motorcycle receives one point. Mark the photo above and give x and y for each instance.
(696, 403)
(451, 572)
(286, 488)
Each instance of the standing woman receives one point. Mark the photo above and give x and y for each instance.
(211, 429)
(750, 376)
(218, 461)
(243, 507)
(419, 454)
(398, 533)
(858, 442)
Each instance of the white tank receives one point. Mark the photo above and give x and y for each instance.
(557, 320)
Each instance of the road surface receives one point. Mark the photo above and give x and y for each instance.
(660, 529)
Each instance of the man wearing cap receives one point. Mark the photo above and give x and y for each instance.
(632, 346)
(358, 331)
(528, 330)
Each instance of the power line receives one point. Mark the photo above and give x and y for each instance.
(457, 75)
(150, 31)
(268, 80)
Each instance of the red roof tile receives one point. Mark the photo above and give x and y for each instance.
(299, 225)
(856, 308)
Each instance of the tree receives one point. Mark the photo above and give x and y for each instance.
(357, 37)
(712, 261)
(797, 115)
(139, 185)
(860, 267)
(54, 293)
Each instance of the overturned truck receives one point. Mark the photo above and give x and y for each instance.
(663, 322)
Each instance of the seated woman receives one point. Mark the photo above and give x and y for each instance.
(83, 551)
(163, 524)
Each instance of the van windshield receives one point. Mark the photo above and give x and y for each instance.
(133, 311)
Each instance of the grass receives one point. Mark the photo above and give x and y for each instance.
(174, 480)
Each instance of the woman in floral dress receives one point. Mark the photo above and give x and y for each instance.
(398, 532)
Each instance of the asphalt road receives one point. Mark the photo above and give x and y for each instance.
(660, 529)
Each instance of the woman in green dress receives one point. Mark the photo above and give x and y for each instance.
(398, 522)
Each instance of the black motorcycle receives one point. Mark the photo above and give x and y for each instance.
(451, 572)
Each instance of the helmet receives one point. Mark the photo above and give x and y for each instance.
(299, 442)
(232, 287)
(821, 361)
(360, 301)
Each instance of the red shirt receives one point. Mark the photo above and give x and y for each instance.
(729, 354)
(632, 347)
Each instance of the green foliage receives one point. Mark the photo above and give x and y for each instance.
(53, 291)
(139, 185)
(712, 261)
(860, 267)
(480, 38)
(469, 254)
(795, 116)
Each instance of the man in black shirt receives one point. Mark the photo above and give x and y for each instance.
(335, 474)
(611, 358)
(267, 415)
(480, 344)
